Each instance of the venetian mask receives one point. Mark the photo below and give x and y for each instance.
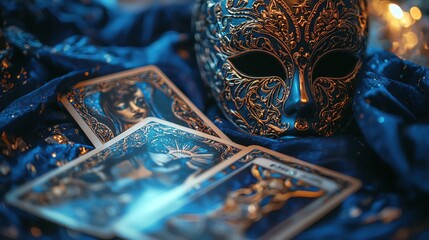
(282, 67)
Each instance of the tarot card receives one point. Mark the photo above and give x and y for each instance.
(105, 107)
(257, 194)
(91, 193)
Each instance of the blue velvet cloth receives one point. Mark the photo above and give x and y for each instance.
(48, 46)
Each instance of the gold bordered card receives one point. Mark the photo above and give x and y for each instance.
(92, 193)
(257, 194)
(105, 107)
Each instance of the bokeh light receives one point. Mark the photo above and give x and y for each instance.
(415, 12)
(396, 11)
(400, 26)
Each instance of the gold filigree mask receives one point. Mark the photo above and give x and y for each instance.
(282, 67)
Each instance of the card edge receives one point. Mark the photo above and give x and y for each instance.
(81, 123)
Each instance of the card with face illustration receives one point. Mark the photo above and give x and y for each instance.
(91, 193)
(257, 194)
(105, 107)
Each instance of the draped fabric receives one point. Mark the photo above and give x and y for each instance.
(48, 46)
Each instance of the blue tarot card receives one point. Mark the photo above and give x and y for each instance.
(107, 106)
(257, 194)
(92, 193)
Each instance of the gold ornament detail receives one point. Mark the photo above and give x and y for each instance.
(301, 124)
(248, 205)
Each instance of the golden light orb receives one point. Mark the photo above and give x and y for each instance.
(415, 12)
(396, 11)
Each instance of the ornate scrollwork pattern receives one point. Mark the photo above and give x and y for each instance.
(103, 132)
(271, 192)
(265, 192)
(297, 34)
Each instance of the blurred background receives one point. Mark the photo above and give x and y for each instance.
(402, 27)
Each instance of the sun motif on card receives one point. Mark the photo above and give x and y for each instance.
(173, 151)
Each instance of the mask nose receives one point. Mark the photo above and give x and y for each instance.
(299, 100)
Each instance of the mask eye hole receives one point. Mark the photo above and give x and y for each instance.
(257, 63)
(336, 64)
